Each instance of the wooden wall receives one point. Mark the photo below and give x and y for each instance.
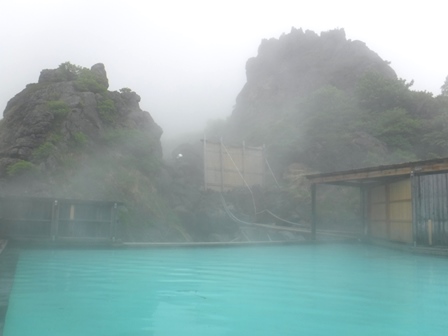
(390, 211)
(431, 209)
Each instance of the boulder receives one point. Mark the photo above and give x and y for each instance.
(100, 72)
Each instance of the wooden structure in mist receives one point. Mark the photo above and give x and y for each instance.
(229, 167)
(57, 219)
(405, 203)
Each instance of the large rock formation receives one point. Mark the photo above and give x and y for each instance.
(297, 64)
(69, 107)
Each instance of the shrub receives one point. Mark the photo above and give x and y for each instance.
(59, 108)
(88, 81)
(79, 140)
(107, 110)
(73, 69)
(44, 151)
(20, 167)
(55, 138)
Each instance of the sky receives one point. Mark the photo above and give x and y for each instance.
(186, 59)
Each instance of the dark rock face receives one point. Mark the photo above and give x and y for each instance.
(296, 65)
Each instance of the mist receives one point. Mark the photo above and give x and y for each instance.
(187, 60)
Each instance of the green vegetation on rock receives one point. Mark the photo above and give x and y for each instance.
(87, 81)
(44, 151)
(21, 167)
(107, 110)
(59, 108)
(79, 140)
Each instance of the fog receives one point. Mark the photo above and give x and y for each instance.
(186, 59)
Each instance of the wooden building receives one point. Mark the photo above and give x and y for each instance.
(57, 219)
(405, 203)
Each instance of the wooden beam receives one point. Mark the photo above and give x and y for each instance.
(360, 175)
(379, 172)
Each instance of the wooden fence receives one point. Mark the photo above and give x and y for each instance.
(57, 219)
(228, 167)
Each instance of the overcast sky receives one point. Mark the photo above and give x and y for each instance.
(186, 59)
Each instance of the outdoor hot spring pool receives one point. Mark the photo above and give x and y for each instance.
(322, 289)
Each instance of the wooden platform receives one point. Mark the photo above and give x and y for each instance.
(441, 251)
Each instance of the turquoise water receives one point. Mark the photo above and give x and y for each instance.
(278, 290)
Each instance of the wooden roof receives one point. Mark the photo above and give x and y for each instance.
(376, 174)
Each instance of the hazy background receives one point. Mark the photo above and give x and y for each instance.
(186, 59)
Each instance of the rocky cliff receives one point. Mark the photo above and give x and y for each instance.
(69, 107)
(296, 65)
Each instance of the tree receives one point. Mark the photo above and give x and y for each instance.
(444, 88)
(378, 93)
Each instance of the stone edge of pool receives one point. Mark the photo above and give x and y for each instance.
(427, 250)
(209, 244)
(140, 245)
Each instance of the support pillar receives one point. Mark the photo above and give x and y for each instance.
(221, 158)
(54, 220)
(363, 209)
(415, 196)
(313, 211)
(113, 223)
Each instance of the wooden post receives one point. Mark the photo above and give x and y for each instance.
(388, 211)
(243, 159)
(415, 202)
(429, 232)
(72, 228)
(72, 212)
(113, 217)
(313, 211)
(205, 162)
(54, 220)
(363, 215)
(263, 160)
(222, 165)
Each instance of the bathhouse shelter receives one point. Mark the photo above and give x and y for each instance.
(405, 203)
